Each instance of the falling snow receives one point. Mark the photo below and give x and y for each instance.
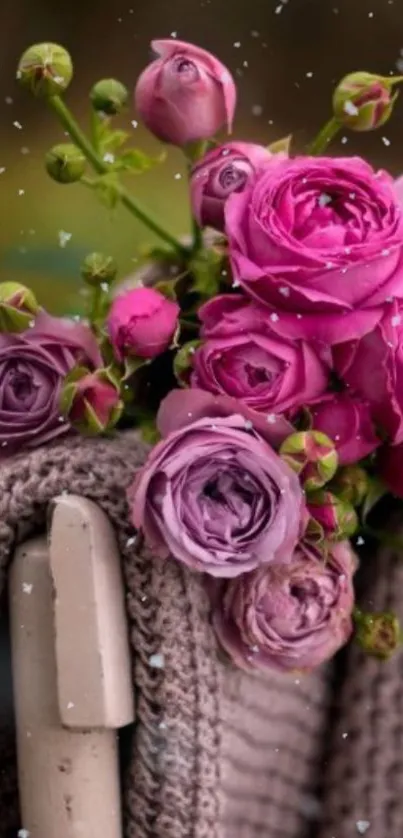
(27, 588)
(157, 661)
(385, 141)
(63, 237)
(362, 827)
(350, 108)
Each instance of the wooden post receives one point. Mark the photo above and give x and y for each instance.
(71, 673)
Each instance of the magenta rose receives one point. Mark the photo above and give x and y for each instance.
(214, 493)
(288, 617)
(33, 365)
(221, 172)
(348, 422)
(243, 357)
(185, 94)
(373, 368)
(141, 323)
(319, 241)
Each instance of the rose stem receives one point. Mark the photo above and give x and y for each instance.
(69, 123)
(325, 136)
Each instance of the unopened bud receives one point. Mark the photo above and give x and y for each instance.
(18, 307)
(351, 484)
(363, 101)
(378, 634)
(98, 268)
(65, 163)
(337, 517)
(45, 69)
(91, 400)
(312, 455)
(183, 362)
(109, 96)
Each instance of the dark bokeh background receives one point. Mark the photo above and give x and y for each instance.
(286, 58)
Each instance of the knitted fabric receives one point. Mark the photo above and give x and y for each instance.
(214, 753)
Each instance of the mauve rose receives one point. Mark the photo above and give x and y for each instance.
(219, 173)
(347, 421)
(141, 322)
(373, 368)
(186, 94)
(214, 493)
(288, 617)
(242, 357)
(33, 365)
(319, 241)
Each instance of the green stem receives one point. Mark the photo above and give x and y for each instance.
(325, 136)
(80, 139)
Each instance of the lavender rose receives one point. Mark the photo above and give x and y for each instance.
(214, 493)
(33, 365)
(320, 242)
(288, 617)
(243, 357)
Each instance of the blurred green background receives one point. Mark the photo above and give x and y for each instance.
(286, 57)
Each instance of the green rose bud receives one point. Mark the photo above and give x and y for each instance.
(182, 364)
(109, 96)
(336, 517)
(98, 268)
(18, 307)
(65, 163)
(378, 634)
(91, 400)
(363, 101)
(312, 455)
(351, 484)
(46, 69)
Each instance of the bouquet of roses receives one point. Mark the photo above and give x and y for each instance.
(261, 357)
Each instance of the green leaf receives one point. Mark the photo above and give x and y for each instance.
(376, 491)
(282, 145)
(183, 360)
(206, 271)
(113, 140)
(107, 188)
(131, 366)
(134, 161)
(149, 431)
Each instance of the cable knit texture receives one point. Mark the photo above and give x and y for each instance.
(214, 753)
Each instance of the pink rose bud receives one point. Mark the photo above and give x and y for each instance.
(312, 455)
(142, 323)
(363, 101)
(222, 171)
(336, 517)
(18, 307)
(185, 94)
(91, 400)
(351, 484)
(379, 635)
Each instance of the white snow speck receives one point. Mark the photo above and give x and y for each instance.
(177, 176)
(174, 34)
(370, 14)
(324, 199)
(256, 110)
(25, 150)
(385, 252)
(360, 541)
(236, 283)
(130, 542)
(21, 191)
(63, 237)
(385, 141)
(254, 33)
(362, 827)
(2, 170)
(134, 123)
(237, 44)
(162, 726)
(274, 317)
(156, 661)
(309, 75)
(26, 588)
(284, 290)
(278, 9)
(271, 418)
(17, 125)
(344, 735)
(70, 705)
(23, 833)
(350, 108)
(344, 140)
(396, 320)
(8, 100)
(245, 64)
(248, 425)
(109, 157)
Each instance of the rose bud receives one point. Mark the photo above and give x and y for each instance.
(98, 269)
(379, 635)
(46, 69)
(351, 484)
(142, 323)
(312, 455)
(109, 96)
(18, 307)
(65, 163)
(363, 101)
(91, 401)
(185, 94)
(223, 170)
(288, 617)
(337, 517)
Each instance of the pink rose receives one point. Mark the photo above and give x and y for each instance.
(390, 468)
(319, 241)
(141, 322)
(221, 172)
(347, 421)
(214, 493)
(250, 362)
(373, 368)
(288, 617)
(185, 94)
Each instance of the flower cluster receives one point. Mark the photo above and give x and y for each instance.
(263, 356)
